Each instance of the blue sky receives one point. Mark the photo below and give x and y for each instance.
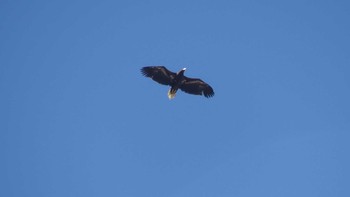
(78, 118)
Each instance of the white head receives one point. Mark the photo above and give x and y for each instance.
(181, 71)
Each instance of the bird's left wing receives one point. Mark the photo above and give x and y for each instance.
(197, 86)
(159, 74)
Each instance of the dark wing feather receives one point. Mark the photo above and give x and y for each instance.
(159, 74)
(197, 86)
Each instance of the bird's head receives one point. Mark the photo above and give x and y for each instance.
(181, 72)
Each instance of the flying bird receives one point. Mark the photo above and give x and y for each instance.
(177, 81)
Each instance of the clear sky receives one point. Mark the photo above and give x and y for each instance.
(77, 118)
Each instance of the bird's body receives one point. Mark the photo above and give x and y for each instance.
(177, 81)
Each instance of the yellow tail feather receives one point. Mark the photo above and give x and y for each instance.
(171, 94)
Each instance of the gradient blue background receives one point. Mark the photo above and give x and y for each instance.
(78, 119)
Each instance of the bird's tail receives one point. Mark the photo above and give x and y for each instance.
(171, 93)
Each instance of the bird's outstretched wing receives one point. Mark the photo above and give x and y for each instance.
(197, 86)
(159, 74)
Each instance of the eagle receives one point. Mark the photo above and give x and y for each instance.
(177, 81)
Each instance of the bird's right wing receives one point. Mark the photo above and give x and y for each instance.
(197, 86)
(159, 74)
